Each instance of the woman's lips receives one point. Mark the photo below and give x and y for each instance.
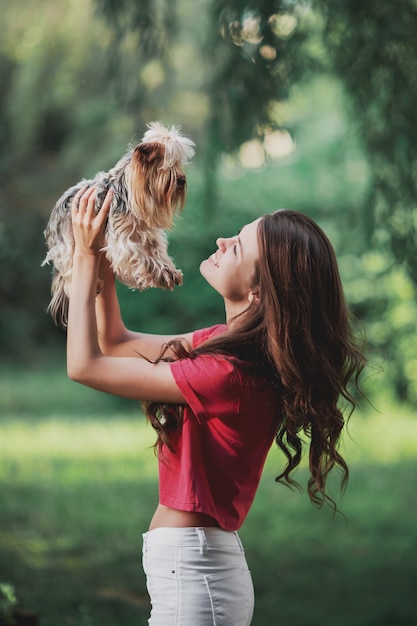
(213, 259)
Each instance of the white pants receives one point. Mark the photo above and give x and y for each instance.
(197, 577)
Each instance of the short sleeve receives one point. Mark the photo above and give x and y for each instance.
(200, 336)
(209, 384)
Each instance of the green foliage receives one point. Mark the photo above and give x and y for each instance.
(152, 23)
(382, 293)
(50, 100)
(257, 53)
(375, 53)
(8, 601)
(23, 289)
(78, 83)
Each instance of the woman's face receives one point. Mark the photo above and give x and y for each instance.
(231, 268)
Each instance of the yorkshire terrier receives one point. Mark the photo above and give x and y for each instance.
(149, 188)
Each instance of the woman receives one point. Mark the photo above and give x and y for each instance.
(219, 397)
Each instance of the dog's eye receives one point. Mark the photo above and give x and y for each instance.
(181, 182)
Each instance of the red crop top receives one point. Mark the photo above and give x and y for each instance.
(228, 428)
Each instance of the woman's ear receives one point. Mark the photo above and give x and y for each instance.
(254, 296)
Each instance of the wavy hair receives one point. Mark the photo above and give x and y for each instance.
(300, 335)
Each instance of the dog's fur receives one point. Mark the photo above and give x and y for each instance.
(149, 186)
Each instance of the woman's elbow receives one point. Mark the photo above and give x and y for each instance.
(77, 372)
(72, 373)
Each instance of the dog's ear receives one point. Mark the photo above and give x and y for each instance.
(149, 153)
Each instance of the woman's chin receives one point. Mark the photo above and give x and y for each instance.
(204, 267)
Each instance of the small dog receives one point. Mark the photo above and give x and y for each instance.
(149, 187)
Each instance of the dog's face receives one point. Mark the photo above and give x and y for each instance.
(157, 191)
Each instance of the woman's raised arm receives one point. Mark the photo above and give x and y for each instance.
(113, 336)
(130, 377)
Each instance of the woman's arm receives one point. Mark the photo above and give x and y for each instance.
(114, 338)
(125, 376)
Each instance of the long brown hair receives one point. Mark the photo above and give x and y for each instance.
(300, 335)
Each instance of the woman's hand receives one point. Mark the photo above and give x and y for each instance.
(89, 226)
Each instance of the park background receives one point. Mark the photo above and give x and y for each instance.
(309, 105)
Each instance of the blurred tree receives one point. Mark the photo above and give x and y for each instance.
(261, 49)
(152, 23)
(57, 123)
(139, 53)
(254, 52)
(257, 52)
(78, 80)
(373, 48)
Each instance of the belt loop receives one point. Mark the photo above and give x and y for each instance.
(239, 543)
(203, 541)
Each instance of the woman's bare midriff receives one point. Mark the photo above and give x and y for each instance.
(165, 517)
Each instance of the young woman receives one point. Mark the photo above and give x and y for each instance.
(219, 397)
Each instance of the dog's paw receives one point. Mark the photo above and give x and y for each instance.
(170, 279)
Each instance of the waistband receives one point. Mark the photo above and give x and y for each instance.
(210, 537)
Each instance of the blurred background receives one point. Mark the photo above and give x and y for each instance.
(309, 105)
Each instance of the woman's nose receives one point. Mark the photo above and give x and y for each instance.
(221, 243)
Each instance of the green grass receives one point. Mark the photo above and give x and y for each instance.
(78, 486)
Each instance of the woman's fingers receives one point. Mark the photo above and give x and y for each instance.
(89, 226)
(90, 203)
(87, 202)
(84, 202)
(79, 202)
(75, 204)
(105, 208)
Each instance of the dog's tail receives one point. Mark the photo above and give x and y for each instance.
(179, 149)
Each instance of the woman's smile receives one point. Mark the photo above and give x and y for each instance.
(213, 259)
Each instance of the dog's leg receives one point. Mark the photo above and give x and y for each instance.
(60, 243)
(58, 306)
(139, 256)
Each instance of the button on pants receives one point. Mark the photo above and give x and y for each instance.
(197, 577)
